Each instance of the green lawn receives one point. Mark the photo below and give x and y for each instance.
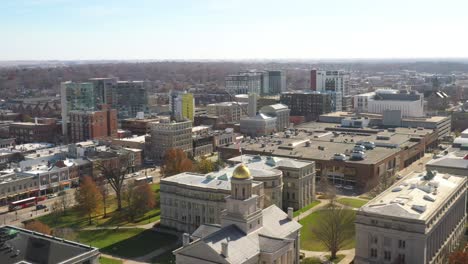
(104, 260)
(127, 243)
(308, 239)
(313, 260)
(75, 219)
(305, 208)
(356, 203)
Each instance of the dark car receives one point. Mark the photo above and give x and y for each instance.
(41, 206)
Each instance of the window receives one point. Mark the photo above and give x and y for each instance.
(401, 244)
(373, 253)
(374, 239)
(401, 258)
(387, 241)
(387, 255)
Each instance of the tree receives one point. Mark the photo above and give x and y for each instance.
(63, 200)
(38, 226)
(104, 193)
(175, 161)
(334, 227)
(88, 197)
(114, 171)
(140, 198)
(65, 233)
(459, 256)
(205, 166)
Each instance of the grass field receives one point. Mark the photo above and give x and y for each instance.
(310, 242)
(75, 219)
(104, 260)
(356, 203)
(127, 243)
(166, 258)
(305, 208)
(338, 258)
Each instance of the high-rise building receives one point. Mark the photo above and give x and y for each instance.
(182, 105)
(276, 83)
(332, 82)
(76, 96)
(310, 104)
(246, 82)
(104, 87)
(419, 220)
(167, 135)
(252, 107)
(93, 124)
(131, 97)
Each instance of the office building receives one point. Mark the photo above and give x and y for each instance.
(334, 83)
(138, 126)
(257, 126)
(76, 96)
(420, 219)
(309, 104)
(332, 148)
(25, 246)
(276, 83)
(182, 105)
(280, 112)
(410, 104)
(131, 97)
(247, 233)
(393, 118)
(105, 90)
(228, 112)
(167, 135)
(37, 131)
(99, 124)
(246, 82)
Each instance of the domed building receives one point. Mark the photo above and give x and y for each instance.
(246, 234)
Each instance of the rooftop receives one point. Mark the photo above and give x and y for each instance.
(268, 162)
(24, 246)
(415, 197)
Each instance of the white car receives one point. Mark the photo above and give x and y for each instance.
(339, 156)
(52, 195)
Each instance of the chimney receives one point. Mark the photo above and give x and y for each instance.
(224, 248)
(185, 239)
(290, 213)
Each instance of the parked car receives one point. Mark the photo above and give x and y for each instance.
(338, 186)
(339, 156)
(52, 195)
(41, 206)
(348, 187)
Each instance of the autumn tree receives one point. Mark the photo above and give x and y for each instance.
(88, 197)
(38, 226)
(205, 166)
(459, 256)
(65, 233)
(114, 170)
(334, 227)
(140, 199)
(176, 161)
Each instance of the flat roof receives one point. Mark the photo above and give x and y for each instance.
(269, 162)
(414, 197)
(32, 247)
(313, 142)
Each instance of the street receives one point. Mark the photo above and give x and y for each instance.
(16, 218)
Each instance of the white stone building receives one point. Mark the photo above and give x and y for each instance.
(247, 234)
(411, 104)
(167, 135)
(420, 219)
(259, 125)
(227, 111)
(281, 112)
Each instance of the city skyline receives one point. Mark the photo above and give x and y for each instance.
(220, 30)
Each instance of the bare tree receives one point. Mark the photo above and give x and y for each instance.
(102, 185)
(64, 202)
(114, 171)
(334, 228)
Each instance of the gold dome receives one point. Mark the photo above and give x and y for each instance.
(241, 172)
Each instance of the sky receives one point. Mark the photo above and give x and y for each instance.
(232, 29)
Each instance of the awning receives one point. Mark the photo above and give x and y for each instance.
(65, 183)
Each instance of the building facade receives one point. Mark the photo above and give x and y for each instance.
(411, 104)
(246, 82)
(85, 125)
(167, 135)
(420, 219)
(259, 125)
(281, 112)
(29, 132)
(247, 233)
(228, 112)
(333, 82)
(308, 104)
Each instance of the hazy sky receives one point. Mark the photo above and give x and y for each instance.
(232, 29)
